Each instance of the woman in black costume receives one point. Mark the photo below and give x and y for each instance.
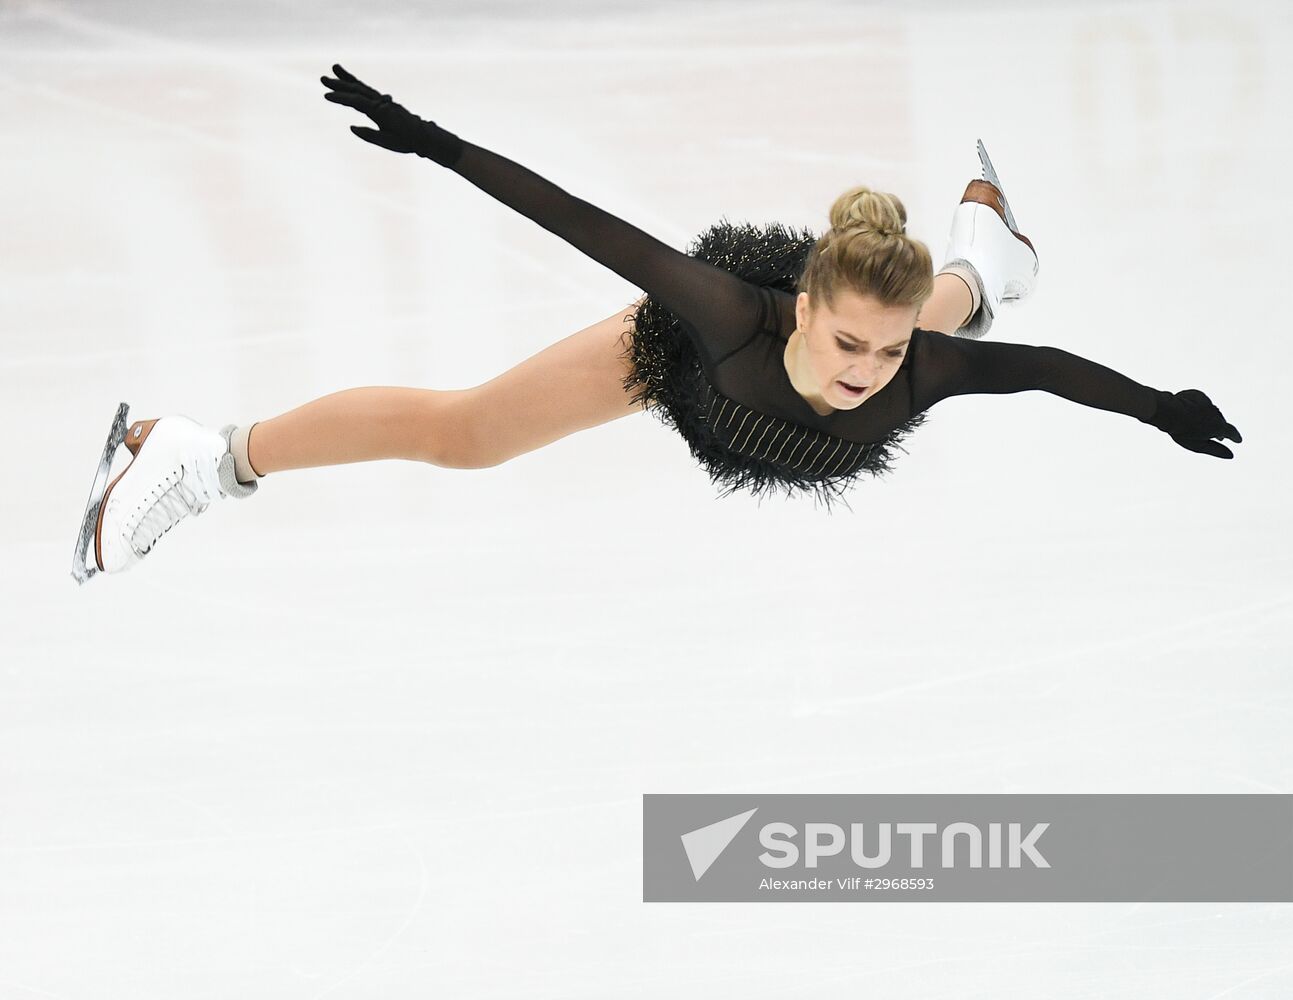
(771, 389)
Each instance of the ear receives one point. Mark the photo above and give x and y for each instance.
(801, 310)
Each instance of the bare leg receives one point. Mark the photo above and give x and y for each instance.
(947, 310)
(572, 385)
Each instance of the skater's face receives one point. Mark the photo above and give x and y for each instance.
(854, 346)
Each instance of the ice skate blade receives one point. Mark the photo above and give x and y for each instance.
(990, 175)
(84, 567)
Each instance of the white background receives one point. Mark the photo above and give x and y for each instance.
(383, 730)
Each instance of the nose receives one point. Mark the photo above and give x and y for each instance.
(867, 370)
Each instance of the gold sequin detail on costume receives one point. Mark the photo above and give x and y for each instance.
(807, 453)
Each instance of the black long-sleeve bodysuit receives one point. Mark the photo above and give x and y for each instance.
(739, 330)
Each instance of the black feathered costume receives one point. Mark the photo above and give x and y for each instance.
(741, 448)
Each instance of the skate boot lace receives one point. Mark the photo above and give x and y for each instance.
(172, 501)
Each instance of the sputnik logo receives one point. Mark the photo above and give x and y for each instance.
(703, 846)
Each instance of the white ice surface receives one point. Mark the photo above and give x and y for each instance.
(382, 731)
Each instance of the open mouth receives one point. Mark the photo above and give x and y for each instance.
(848, 389)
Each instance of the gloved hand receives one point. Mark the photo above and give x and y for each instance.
(1191, 420)
(400, 129)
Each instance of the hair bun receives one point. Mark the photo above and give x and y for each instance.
(860, 207)
(867, 251)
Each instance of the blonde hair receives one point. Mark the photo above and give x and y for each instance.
(867, 250)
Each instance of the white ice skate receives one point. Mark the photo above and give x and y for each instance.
(178, 468)
(985, 239)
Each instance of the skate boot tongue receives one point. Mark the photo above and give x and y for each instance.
(172, 502)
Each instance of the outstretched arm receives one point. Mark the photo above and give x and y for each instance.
(951, 366)
(713, 303)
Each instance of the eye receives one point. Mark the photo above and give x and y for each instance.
(844, 345)
(895, 354)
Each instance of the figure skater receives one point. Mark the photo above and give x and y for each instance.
(786, 361)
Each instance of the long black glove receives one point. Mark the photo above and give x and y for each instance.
(1192, 420)
(400, 129)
